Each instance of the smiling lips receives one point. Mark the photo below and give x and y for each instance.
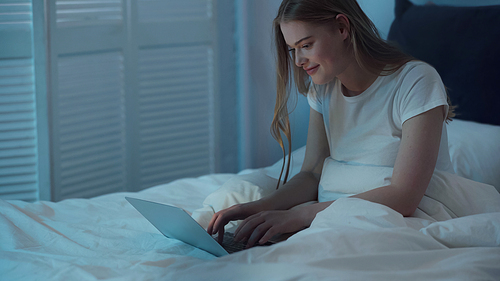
(311, 70)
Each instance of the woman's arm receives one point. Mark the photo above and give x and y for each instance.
(303, 187)
(414, 165)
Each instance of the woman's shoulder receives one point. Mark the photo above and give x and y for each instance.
(414, 72)
(416, 69)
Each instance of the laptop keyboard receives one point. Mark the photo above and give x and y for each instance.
(229, 244)
(232, 246)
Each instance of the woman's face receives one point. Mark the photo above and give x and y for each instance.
(321, 50)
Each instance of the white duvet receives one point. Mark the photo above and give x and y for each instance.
(107, 239)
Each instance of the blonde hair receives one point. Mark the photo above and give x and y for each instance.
(371, 52)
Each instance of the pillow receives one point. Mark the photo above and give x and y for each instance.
(462, 43)
(475, 151)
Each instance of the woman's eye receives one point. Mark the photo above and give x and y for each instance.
(291, 50)
(306, 46)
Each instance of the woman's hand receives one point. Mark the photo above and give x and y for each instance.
(259, 228)
(236, 212)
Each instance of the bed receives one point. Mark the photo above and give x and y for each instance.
(105, 238)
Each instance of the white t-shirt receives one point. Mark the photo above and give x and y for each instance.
(364, 132)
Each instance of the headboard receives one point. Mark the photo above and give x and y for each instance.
(463, 44)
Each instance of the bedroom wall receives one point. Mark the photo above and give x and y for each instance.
(256, 78)
(257, 86)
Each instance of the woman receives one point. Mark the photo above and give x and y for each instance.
(373, 110)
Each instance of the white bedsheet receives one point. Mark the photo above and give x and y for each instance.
(107, 239)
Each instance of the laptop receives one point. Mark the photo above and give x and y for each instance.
(174, 222)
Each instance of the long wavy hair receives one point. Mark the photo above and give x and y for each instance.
(371, 52)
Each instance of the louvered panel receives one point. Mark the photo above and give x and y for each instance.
(174, 91)
(181, 156)
(19, 152)
(15, 12)
(18, 161)
(18, 143)
(14, 89)
(176, 113)
(95, 116)
(85, 143)
(108, 187)
(18, 149)
(193, 103)
(86, 189)
(174, 171)
(17, 98)
(92, 174)
(106, 151)
(159, 116)
(161, 10)
(91, 126)
(100, 127)
(189, 160)
(158, 136)
(88, 168)
(88, 12)
(174, 119)
(174, 142)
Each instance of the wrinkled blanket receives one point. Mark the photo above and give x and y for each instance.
(105, 238)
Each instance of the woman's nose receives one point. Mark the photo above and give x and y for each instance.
(299, 59)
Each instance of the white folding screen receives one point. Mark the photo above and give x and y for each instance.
(99, 96)
(132, 89)
(18, 131)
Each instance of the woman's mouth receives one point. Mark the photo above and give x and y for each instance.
(311, 70)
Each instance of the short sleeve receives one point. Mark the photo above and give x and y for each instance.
(314, 100)
(421, 90)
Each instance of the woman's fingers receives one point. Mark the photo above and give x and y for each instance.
(258, 233)
(211, 224)
(247, 226)
(223, 217)
(253, 228)
(269, 234)
(220, 238)
(260, 228)
(263, 226)
(215, 222)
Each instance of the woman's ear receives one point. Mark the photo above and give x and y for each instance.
(343, 25)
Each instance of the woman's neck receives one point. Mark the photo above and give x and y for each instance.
(356, 80)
